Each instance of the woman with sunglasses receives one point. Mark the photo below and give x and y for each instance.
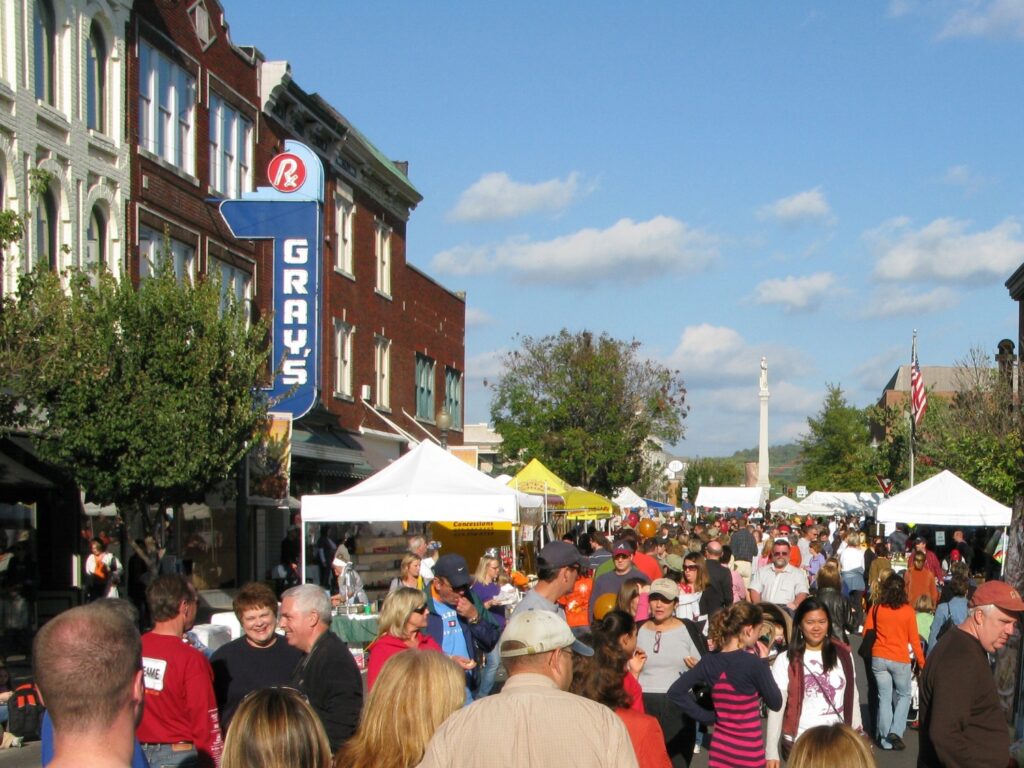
(403, 617)
(486, 587)
(671, 646)
(691, 590)
(816, 678)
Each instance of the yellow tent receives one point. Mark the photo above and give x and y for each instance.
(579, 504)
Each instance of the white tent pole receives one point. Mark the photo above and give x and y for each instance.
(1002, 565)
(514, 548)
(302, 551)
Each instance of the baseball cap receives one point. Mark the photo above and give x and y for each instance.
(623, 546)
(999, 594)
(665, 588)
(661, 541)
(453, 569)
(532, 632)
(674, 563)
(557, 554)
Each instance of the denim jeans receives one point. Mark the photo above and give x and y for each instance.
(893, 679)
(166, 756)
(490, 670)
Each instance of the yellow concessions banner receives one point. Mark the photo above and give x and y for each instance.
(471, 540)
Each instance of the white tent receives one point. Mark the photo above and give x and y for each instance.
(426, 484)
(630, 499)
(840, 503)
(784, 504)
(726, 497)
(944, 499)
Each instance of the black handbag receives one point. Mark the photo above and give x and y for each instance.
(868, 643)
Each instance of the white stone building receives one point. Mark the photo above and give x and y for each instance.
(62, 111)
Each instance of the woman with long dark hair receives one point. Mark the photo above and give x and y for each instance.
(816, 678)
(614, 643)
(740, 680)
(895, 625)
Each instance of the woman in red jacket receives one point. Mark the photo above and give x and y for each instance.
(403, 617)
(895, 625)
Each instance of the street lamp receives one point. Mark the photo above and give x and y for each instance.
(443, 419)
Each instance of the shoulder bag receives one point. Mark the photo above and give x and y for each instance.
(868, 643)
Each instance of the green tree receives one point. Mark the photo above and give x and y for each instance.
(586, 406)
(712, 472)
(146, 396)
(837, 447)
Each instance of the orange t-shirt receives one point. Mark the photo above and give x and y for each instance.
(894, 629)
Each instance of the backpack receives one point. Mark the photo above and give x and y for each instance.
(25, 712)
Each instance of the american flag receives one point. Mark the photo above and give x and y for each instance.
(918, 396)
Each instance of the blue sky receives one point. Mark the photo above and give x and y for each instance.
(721, 181)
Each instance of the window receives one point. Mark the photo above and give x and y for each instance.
(152, 249)
(424, 387)
(453, 396)
(343, 333)
(230, 149)
(96, 239)
(167, 96)
(382, 366)
(96, 80)
(383, 250)
(235, 286)
(344, 213)
(45, 41)
(46, 230)
(201, 24)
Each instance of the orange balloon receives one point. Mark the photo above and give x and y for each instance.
(647, 528)
(604, 604)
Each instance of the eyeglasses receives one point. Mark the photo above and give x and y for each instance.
(657, 642)
(689, 567)
(620, 557)
(422, 609)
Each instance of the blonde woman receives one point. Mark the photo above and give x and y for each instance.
(276, 728)
(415, 693)
(831, 746)
(403, 617)
(486, 587)
(408, 574)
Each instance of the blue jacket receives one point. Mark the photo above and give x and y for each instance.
(480, 637)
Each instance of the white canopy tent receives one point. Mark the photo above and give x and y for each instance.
(840, 503)
(944, 499)
(784, 504)
(727, 497)
(630, 499)
(427, 484)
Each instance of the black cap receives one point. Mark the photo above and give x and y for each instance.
(453, 569)
(558, 554)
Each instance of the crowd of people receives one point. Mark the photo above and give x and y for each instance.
(637, 649)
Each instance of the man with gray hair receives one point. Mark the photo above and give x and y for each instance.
(327, 674)
(87, 663)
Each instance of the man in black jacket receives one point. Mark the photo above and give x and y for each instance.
(718, 593)
(327, 674)
(456, 618)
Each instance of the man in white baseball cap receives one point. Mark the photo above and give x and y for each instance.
(534, 720)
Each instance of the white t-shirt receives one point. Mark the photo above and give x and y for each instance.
(851, 558)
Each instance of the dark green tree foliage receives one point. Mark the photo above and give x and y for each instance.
(712, 472)
(837, 447)
(586, 406)
(143, 396)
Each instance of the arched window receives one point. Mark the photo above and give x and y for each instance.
(96, 79)
(46, 229)
(45, 38)
(96, 239)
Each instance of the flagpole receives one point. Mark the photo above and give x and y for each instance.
(913, 424)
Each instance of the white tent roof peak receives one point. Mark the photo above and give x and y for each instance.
(630, 499)
(426, 484)
(944, 499)
(726, 497)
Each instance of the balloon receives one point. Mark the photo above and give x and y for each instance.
(632, 519)
(647, 528)
(604, 604)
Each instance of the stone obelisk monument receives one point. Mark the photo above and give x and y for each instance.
(762, 454)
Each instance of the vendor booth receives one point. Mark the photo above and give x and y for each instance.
(944, 499)
(730, 497)
(845, 503)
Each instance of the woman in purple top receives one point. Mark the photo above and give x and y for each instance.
(486, 587)
(739, 679)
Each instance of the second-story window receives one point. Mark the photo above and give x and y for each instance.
(235, 286)
(424, 387)
(344, 214)
(453, 396)
(167, 100)
(96, 79)
(96, 239)
(44, 38)
(382, 369)
(343, 335)
(47, 247)
(153, 247)
(230, 149)
(383, 251)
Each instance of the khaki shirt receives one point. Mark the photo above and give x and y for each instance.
(531, 724)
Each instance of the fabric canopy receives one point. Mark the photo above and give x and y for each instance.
(840, 503)
(630, 499)
(784, 504)
(659, 506)
(944, 500)
(427, 484)
(579, 504)
(726, 497)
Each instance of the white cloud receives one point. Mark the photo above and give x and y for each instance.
(496, 196)
(796, 294)
(477, 317)
(986, 18)
(809, 205)
(627, 250)
(898, 8)
(873, 373)
(962, 176)
(486, 366)
(891, 301)
(715, 356)
(944, 251)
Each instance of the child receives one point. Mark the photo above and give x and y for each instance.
(925, 607)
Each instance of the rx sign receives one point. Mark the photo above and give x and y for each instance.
(290, 213)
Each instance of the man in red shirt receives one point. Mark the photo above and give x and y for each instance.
(180, 725)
